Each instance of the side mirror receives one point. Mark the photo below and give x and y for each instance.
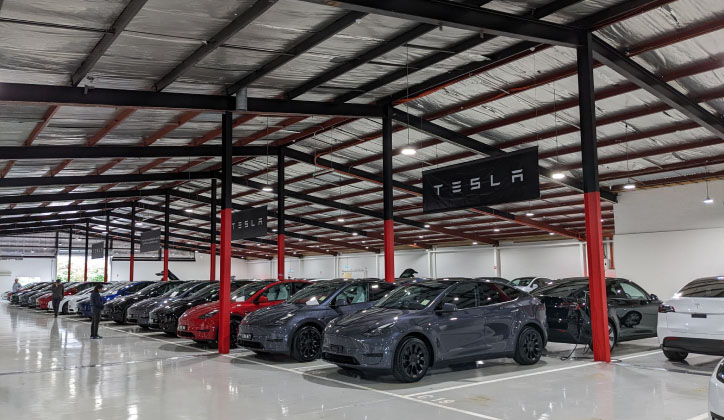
(340, 301)
(448, 308)
(654, 297)
(262, 299)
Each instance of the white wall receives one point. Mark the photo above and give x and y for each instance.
(185, 270)
(465, 262)
(27, 267)
(666, 237)
(551, 260)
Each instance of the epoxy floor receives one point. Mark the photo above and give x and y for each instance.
(51, 369)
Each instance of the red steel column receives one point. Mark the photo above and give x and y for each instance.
(592, 204)
(70, 249)
(105, 256)
(133, 241)
(212, 250)
(389, 236)
(166, 224)
(280, 214)
(85, 265)
(225, 273)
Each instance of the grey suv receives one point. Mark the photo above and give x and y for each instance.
(437, 322)
(295, 327)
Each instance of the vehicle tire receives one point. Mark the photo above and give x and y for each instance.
(307, 344)
(119, 322)
(412, 359)
(612, 336)
(145, 327)
(675, 356)
(170, 334)
(233, 334)
(529, 347)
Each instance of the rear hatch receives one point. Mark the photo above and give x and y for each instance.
(696, 315)
(560, 311)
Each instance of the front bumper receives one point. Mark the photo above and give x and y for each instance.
(200, 329)
(367, 353)
(166, 322)
(270, 339)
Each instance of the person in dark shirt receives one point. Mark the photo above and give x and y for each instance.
(96, 302)
(58, 293)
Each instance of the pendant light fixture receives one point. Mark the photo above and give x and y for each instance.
(708, 199)
(630, 185)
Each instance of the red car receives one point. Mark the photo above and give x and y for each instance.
(45, 300)
(201, 323)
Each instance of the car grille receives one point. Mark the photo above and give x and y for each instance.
(338, 358)
(185, 334)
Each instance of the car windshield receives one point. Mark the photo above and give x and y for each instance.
(205, 291)
(415, 296)
(149, 289)
(704, 288)
(522, 281)
(316, 294)
(180, 290)
(562, 288)
(245, 292)
(113, 288)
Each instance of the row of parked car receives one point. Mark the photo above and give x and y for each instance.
(409, 326)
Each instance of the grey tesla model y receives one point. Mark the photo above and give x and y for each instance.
(438, 322)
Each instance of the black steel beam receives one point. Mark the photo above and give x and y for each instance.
(77, 96)
(103, 179)
(56, 197)
(296, 50)
(131, 10)
(97, 152)
(467, 18)
(653, 84)
(449, 136)
(60, 209)
(20, 220)
(207, 47)
(361, 59)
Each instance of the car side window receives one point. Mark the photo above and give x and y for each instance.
(379, 289)
(278, 292)
(630, 291)
(463, 296)
(491, 293)
(299, 286)
(354, 294)
(612, 291)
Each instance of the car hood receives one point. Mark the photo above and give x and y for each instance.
(368, 319)
(150, 303)
(180, 304)
(272, 313)
(125, 300)
(202, 309)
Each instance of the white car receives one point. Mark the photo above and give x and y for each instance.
(716, 393)
(528, 284)
(69, 304)
(693, 320)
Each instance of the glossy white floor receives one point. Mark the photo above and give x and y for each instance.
(50, 369)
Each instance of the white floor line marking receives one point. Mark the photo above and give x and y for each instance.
(704, 416)
(639, 355)
(291, 370)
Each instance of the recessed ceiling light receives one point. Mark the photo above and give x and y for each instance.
(267, 188)
(340, 219)
(530, 214)
(274, 230)
(475, 243)
(551, 233)
(189, 210)
(558, 175)
(408, 150)
(354, 233)
(630, 186)
(427, 226)
(496, 230)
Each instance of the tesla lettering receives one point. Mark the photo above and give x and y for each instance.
(475, 184)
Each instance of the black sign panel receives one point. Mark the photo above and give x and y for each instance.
(150, 240)
(495, 180)
(249, 223)
(97, 250)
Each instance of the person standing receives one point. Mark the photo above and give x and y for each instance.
(96, 307)
(16, 286)
(58, 293)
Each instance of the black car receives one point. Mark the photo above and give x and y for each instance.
(15, 298)
(632, 312)
(138, 313)
(29, 298)
(166, 317)
(295, 327)
(116, 309)
(436, 323)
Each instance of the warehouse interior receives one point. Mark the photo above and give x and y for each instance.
(125, 118)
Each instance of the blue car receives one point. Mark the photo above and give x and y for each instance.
(295, 327)
(84, 307)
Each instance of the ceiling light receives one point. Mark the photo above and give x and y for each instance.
(551, 233)
(558, 175)
(354, 233)
(530, 214)
(340, 219)
(189, 210)
(274, 230)
(629, 186)
(496, 230)
(299, 240)
(708, 200)
(267, 188)
(420, 236)
(427, 226)
(408, 151)
(367, 247)
(475, 243)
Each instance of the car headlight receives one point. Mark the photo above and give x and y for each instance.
(720, 372)
(283, 320)
(209, 314)
(378, 331)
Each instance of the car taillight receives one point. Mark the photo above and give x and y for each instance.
(666, 309)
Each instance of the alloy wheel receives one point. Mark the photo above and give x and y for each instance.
(414, 361)
(531, 344)
(309, 343)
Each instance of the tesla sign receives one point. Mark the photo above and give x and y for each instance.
(496, 180)
(150, 241)
(249, 223)
(97, 250)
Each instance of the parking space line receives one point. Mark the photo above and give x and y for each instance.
(704, 416)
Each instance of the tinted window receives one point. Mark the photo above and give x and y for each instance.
(491, 293)
(462, 295)
(630, 291)
(708, 287)
(299, 286)
(354, 294)
(414, 296)
(522, 281)
(315, 294)
(378, 290)
(278, 292)
(511, 292)
(562, 288)
(245, 292)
